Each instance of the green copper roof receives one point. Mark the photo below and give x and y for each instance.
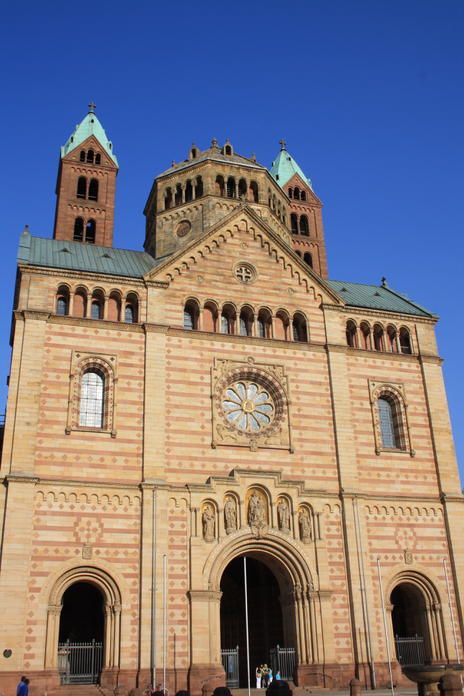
(76, 256)
(90, 125)
(284, 167)
(377, 297)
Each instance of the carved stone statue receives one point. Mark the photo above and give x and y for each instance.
(256, 513)
(209, 523)
(305, 525)
(283, 515)
(230, 515)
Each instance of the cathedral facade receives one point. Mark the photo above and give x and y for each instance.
(211, 415)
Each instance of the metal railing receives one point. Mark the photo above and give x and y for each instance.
(80, 663)
(283, 660)
(410, 650)
(229, 659)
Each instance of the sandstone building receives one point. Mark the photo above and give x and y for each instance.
(214, 397)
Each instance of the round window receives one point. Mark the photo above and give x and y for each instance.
(183, 228)
(248, 406)
(245, 272)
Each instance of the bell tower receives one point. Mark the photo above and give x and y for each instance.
(86, 185)
(305, 211)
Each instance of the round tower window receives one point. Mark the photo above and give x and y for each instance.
(245, 272)
(183, 228)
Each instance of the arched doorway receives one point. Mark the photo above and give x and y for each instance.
(81, 634)
(271, 622)
(410, 626)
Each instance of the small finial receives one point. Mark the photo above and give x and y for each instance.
(384, 282)
(253, 157)
(26, 229)
(283, 144)
(92, 107)
(173, 163)
(214, 142)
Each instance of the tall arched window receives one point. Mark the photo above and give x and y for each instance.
(188, 191)
(178, 195)
(290, 193)
(405, 341)
(242, 188)
(199, 187)
(294, 223)
(96, 310)
(231, 192)
(81, 187)
(303, 195)
(388, 420)
(304, 227)
(210, 314)
(62, 301)
(78, 235)
(114, 306)
(299, 328)
(254, 196)
(264, 323)
(80, 302)
(90, 231)
(351, 334)
(91, 403)
(219, 187)
(82, 156)
(97, 158)
(93, 190)
(365, 336)
(392, 339)
(378, 337)
(228, 319)
(296, 193)
(191, 314)
(282, 323)
(90, 155)
(246, 321)
(168, 198)
(308, 259)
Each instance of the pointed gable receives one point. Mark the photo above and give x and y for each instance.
(89, 126)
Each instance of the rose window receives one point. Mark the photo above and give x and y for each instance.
(248, 406)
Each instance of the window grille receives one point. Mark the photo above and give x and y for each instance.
(91, 399)
(387, 423)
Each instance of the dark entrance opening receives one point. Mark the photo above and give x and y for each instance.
(264, 614)
(409, 624)
(80, 644)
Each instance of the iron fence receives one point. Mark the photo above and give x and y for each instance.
(229, 659)
(80, 663)
(410, 650)
(283, 660)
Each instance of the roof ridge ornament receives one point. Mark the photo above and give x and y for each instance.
(283, 144)
(92, 106)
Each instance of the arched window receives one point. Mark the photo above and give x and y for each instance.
(82, 156)
(303, 195)
(392, 339)
(296, 193)
(78, 235)
(294, 223)
(188, 191)
(62, 301)
(304, 227)
(299, 328)
(219, 187)
(81, 187)
(80, 303)
(388, 420)
(168, 198)
(96, 310)
(227, 149)
(290, 193)
(93, 190)
(178, 195)
(308, 259)
(351, 334)
(199, 187)
(405, 341)
(90, 155)
(254, 196)
(91, 402)
(242, 188)
(97, 158)
(228, 319)
(191, 315)
(131, 310)
(264, 323)
(281, 324)
(246, 321)
(90, 231)
(378, 337)
(210, 317)
(365, 336)
(231, 193)
(114, 306)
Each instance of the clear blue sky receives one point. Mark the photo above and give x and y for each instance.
(368, 95)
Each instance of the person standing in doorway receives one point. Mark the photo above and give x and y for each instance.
(259, 675)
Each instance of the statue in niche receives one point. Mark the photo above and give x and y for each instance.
(256, 512)
(230, 515)
(209, 523)
(283, 515)
(304, 522)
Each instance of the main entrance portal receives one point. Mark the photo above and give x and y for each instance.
(80, 646)
(265, 619)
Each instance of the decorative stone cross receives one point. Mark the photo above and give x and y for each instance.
(92, 107)
(244, 274)
(283, 144)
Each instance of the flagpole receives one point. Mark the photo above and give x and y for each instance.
(387, 642)
(246, 623)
